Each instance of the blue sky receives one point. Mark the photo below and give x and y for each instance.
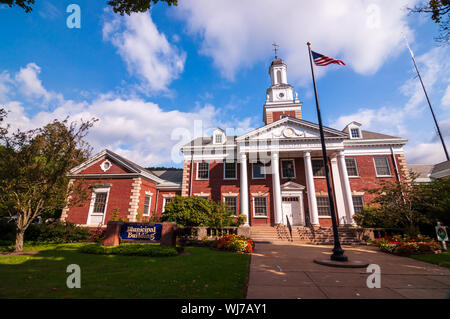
(148, 77)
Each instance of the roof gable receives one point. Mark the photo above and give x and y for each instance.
(292, 128)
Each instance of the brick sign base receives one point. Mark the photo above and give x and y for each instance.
(168, 235)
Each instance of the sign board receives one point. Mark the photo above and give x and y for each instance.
(441, 233)
(140, 231)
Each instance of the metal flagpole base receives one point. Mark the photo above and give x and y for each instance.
(341, 264)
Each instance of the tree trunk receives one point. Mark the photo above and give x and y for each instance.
(19, 239)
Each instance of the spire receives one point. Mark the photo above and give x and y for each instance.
(275, 48)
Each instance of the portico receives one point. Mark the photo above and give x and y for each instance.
(296, 183)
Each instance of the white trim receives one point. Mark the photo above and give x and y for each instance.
(388, 165)
(149, 205)
(285, 160)
(260, 178)
(105, 162)
(267, 208)
(235, 171)
(202, 179)
(91, 205)
(356, 166)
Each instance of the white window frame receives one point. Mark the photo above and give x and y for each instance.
(353, 202)
(357, 130)
(388, 166)
(356, 166)
(216, 138)
(253, 169)
(202, 179)
(267, 207)
(92, 204)
(147, 214)
(237, 201)
(312, 167)
(165, 202)
(329, 206)
(293, 164)
(235, 171)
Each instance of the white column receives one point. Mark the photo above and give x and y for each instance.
(244, 189)
(348, 200)
(278, 211)
(312, 201)
(340, 205)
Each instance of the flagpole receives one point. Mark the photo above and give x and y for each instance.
(429, 103)
(338, 252)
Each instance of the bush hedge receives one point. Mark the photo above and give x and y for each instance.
(149, 250)
(235, 243)
(407, 245)
(57, 233)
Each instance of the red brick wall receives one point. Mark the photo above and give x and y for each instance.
(277, 115)
(119, 197)
(147, 186)
(367, 176)
(159, 204)
(216, 185)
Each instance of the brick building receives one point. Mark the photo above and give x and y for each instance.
(273, 175)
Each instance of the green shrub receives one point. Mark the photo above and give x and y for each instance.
(149, 250)
(57, 233)
(375, 217)
(7, 230)
(196, 211)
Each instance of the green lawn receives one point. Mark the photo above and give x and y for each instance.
(203, 273)
(442, 259)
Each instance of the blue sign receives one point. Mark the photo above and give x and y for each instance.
(140, 231)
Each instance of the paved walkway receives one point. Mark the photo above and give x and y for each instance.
(287, 271)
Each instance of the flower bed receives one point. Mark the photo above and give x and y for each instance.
(234, 243)
(406, 246)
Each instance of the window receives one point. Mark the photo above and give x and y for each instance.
(147, 204)
(166, 201)
(355, 132)
(204, 197)
(318, 168)
(258, 171)
(231, 202)
(352, 169)
(382, 166)
(260, 206)
(230, 170)
(323, 206)
(358, 204)
(203, 171)
(287, 169)
(100, 203)
(218, 138)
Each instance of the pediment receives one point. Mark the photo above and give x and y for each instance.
(290, 128)
(291, 187)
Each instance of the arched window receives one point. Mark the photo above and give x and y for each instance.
(278, 77)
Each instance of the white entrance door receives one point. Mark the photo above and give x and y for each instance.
(291, 210)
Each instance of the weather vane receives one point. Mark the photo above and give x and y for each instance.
(275, 48)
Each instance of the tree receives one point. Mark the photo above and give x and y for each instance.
(119, 6)
(197, 211)
(440, 14)
(400, 202)
(34, 166)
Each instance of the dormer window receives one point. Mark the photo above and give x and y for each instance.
(219, 136)
(355, 132)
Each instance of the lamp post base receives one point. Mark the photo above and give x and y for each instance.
(341, 264)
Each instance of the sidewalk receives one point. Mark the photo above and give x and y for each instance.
(287, 271)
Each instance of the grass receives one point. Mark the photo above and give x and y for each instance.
(442, 259)
(150, 250)
(202, 273)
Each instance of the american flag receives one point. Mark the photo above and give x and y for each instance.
(322, 60)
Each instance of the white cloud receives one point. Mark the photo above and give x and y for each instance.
(137, 129)
(237, 34)
(445, 102)
(29, 84)
(411, 120)
(145, 50)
